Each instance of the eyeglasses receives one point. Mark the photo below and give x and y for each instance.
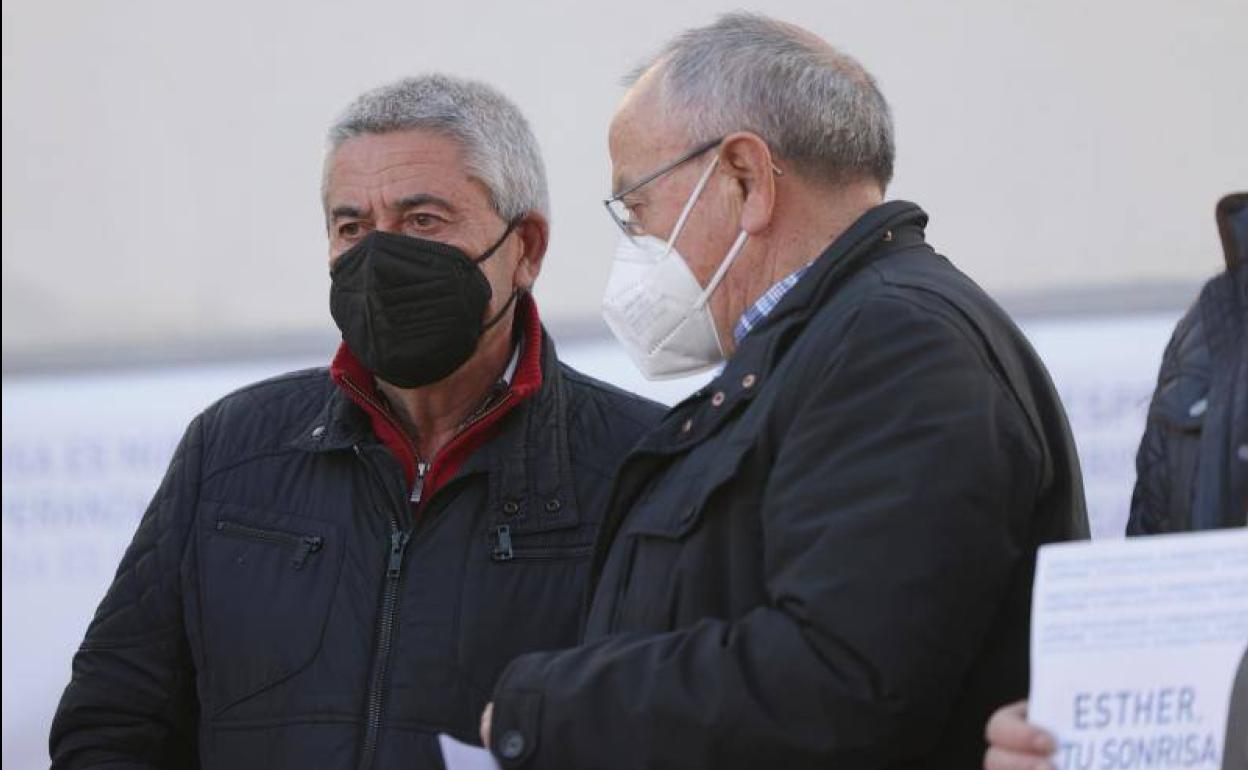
(615, 204)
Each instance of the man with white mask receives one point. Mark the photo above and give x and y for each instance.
(654, 304)
(824, 557)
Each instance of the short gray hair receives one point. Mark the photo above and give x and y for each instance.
(499, 147)
(812, 104)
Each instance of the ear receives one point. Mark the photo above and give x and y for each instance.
(533, 232)
(746, 158)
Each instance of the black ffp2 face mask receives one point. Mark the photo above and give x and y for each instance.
(411, 310)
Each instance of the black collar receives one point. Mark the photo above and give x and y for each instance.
(885, 229)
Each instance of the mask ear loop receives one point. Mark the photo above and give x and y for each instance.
(499, 315)
(514, 292)
(729, 258)
(490, 251)
(719, 272)
(693, 198)
(737, 246)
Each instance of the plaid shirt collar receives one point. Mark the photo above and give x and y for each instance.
(755, 314)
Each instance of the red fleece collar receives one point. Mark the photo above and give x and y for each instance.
(359, 384)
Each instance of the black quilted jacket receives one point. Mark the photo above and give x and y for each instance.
(277, 608)
(1192, 465)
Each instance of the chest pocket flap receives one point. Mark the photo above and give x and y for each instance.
(677, 501)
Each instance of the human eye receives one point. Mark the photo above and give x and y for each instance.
(632, 213)
(423, 222)
(349, 230)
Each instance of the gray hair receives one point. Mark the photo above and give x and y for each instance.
(499, 147)
(812, 104)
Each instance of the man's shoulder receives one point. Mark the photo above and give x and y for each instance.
(617, 404)
(917, 285)
(931, 280)
(924, 288)
(918, 295)
(277, 389)
(270, 405)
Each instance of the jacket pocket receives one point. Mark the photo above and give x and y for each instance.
(674, 540)
(506, 546)
(522, 592)
(267, 585)
(301, 546)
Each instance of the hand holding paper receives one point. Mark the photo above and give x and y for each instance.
(1015, 743)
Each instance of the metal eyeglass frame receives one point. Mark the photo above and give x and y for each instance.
(629, 228)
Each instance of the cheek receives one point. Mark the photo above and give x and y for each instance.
(500, 271)
(659, 225)
(703, 245)
(723, 212)
(336, 250)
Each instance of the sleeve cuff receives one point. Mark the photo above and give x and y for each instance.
(514, 734)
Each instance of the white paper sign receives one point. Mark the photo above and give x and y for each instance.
(463, 756)
(1136, 647)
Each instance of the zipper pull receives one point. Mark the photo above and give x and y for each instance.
(398, 544)
(307, 546)
(502, 546)
(418, 488)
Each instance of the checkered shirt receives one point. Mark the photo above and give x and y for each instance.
(756, 313)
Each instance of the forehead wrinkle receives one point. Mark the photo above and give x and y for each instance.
(375, 169)
(382, 184)
(646, 160)
(381, 154)
(398, 171)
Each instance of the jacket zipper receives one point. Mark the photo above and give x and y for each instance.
(422, 468)
(303, 545)
(385, 631)
(394, 569)
(503, 549)
(418, 488)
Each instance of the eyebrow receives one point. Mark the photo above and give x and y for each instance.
(344, 212)
(424, 199)
(348, 211)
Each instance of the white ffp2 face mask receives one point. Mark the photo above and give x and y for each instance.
(655, 306)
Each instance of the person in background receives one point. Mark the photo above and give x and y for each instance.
(824, 557)
(340, 561)
(1192, 465)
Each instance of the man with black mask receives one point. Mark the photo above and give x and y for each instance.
(340, 561)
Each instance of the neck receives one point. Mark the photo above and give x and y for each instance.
(432, 414)
(819, 220)
(812, 219)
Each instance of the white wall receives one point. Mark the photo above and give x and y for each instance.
(161, 157)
